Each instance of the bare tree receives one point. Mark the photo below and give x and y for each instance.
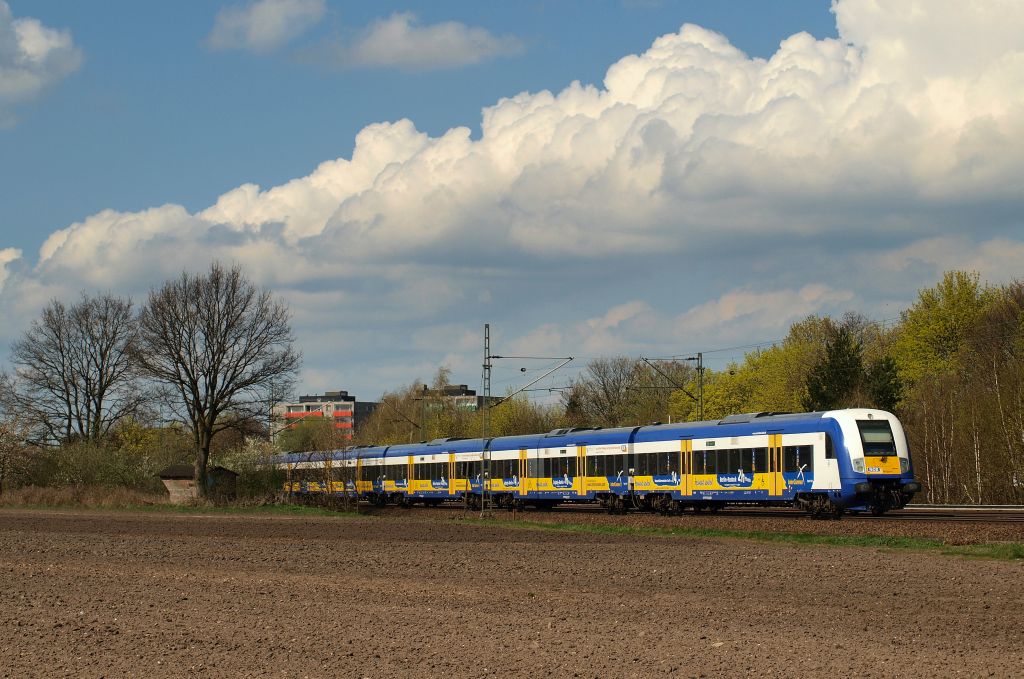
(219, 345)
(73, 376)
(601, 395)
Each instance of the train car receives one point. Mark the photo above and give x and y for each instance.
(823, 462)
(318, 472)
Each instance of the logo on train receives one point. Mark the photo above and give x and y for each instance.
(737, 480)
(564, 482)
(666, 479)
(441, 483)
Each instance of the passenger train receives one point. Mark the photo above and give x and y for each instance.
(823, 462)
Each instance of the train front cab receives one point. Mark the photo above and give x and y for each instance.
(877, 474)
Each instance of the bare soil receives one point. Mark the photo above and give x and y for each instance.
(90, 594)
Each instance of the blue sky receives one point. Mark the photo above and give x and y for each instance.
(704, 192)
(154, 116)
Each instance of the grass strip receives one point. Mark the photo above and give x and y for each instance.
(1008, 551)
(988, 550)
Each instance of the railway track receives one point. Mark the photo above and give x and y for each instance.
(943, 513)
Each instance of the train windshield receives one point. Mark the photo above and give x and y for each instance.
(876, 435)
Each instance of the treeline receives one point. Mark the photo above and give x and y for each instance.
(950, 367)
(100, 393)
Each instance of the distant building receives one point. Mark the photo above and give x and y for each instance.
(463, 397)
(344, 411)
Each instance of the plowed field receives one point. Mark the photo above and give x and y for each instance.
(89, 594)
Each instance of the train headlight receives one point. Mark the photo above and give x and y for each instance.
(904, 465)
(858, 465)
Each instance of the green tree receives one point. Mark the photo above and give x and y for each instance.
(882, 383)
(933, 330)
(834, 379)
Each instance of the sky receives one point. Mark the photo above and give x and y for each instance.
(639, 177)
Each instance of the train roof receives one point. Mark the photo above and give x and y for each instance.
(732, 425)
(740, 424)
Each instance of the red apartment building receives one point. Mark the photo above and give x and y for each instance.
(344, 410)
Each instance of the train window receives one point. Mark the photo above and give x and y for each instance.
(465, 469)
(595, 465)
(668, 462)
(789, 459)
(876, 435)
(735, 461)
(561, 466)
(723, 462)
(797, 458)
(830, 451)
(760, 460)
(698, 462)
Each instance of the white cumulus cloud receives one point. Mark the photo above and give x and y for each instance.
(402, 41)
(7, 256)
(772, 187)
(33, 57)
(263, 25)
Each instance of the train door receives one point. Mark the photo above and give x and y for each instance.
(686, 465)
(452, 474)
(410, 469)
(523, 466)
(777, 484)
(581, 471)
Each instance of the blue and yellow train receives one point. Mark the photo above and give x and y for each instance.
(823, 462)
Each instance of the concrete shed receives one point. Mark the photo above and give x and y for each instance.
(179, 482)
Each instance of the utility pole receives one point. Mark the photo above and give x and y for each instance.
(485, 419)
(423, 414)
(700, 384)
(485, 406)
